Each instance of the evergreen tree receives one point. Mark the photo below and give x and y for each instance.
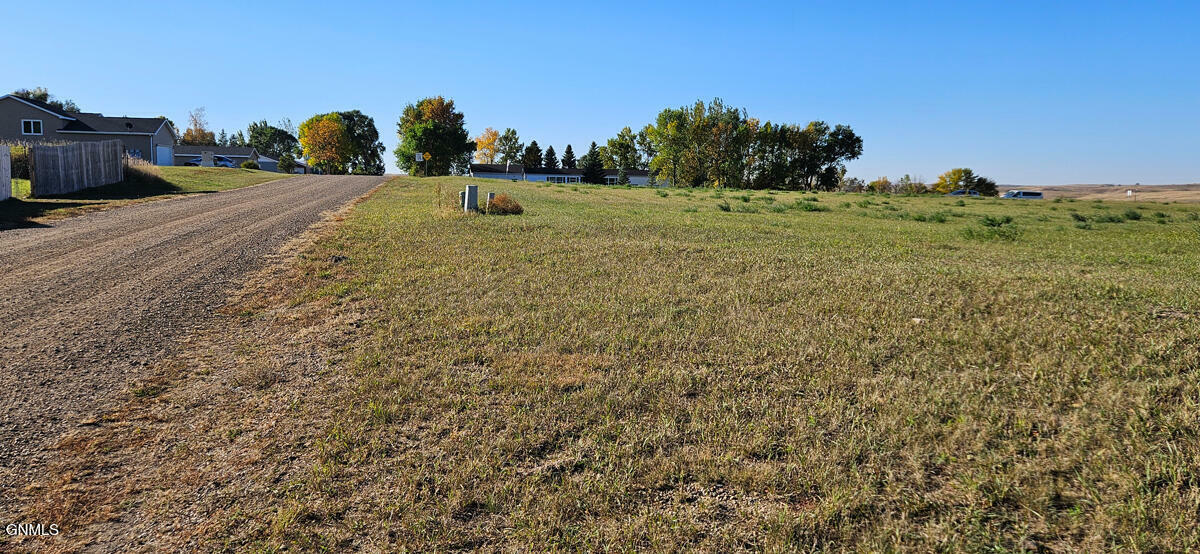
(222, 139)
(593, 166)
(532, 158)
(622, 177)
(237, 140)
(550, 160)
(568, 158)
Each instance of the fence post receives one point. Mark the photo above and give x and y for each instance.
(5, 173)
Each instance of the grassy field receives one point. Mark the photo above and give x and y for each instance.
(148, 184)
(639, 369)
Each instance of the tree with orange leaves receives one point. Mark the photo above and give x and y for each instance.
(485, 146)
(326, 143)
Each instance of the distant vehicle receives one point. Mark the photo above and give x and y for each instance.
(1025, 194)
(218, 161)
(964, 192)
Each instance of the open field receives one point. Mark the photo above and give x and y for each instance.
(157, 183)
(642, 369)
(1144, 193)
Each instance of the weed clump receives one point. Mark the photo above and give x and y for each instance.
(1133, 215)
(504, 204)
(993, 228)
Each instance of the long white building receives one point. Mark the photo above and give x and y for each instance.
(517, 172)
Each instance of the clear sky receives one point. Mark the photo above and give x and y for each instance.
(1023, 92)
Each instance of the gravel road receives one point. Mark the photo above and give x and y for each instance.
(87, 303)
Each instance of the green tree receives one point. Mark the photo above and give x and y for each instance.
(592, 166)
(433, 125)
(287, 162)
(271, 141)
(40, 94)
(568, 158)
(623, 150)
(366, 151)
(237, 139)
(532, 157)
(550, 160)
(222, 138)
(622, 177)
(509, 147)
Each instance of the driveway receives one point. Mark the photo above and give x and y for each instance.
(88, 303)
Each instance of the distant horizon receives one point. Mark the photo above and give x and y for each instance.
(1059, 94)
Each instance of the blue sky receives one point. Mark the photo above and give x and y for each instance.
(1023, 92)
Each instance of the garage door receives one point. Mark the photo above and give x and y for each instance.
(165, 155)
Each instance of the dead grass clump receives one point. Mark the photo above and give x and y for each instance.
(504, 204)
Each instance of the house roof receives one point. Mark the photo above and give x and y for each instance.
(99, 123)
(227, 151)
(40, 105)
(498, 168)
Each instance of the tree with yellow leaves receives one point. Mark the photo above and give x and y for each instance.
(485, 146)
(326, 143)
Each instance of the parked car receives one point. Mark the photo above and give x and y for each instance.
(1026, 194)
(964, 192)
(218, 161)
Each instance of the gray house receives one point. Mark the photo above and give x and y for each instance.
(237, 154)
(23, 120)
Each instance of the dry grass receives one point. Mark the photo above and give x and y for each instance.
(618, 369)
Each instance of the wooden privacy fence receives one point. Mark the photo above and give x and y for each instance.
(5, 173)
(74, 167)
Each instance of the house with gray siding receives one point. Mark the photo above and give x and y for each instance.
(30, 121)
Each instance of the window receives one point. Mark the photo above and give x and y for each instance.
(31, 126)
(611, 180)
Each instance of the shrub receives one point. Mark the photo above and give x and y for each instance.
(1007, 232)
(662, 193)
(1133, 215)
(1079, 217)
(1193, 216)
(806, 206)
(1109, 218)
(504, 204)
(19, 156)
(995, 222)
(724, 206)
(1084, 225)
(249, 164)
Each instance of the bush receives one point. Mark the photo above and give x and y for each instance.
(250, 164)
(1079, 217)
(504, 204)
(724, 206)
(1109, 218)
(1132, 214)
(20, 162)
(989, 221)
